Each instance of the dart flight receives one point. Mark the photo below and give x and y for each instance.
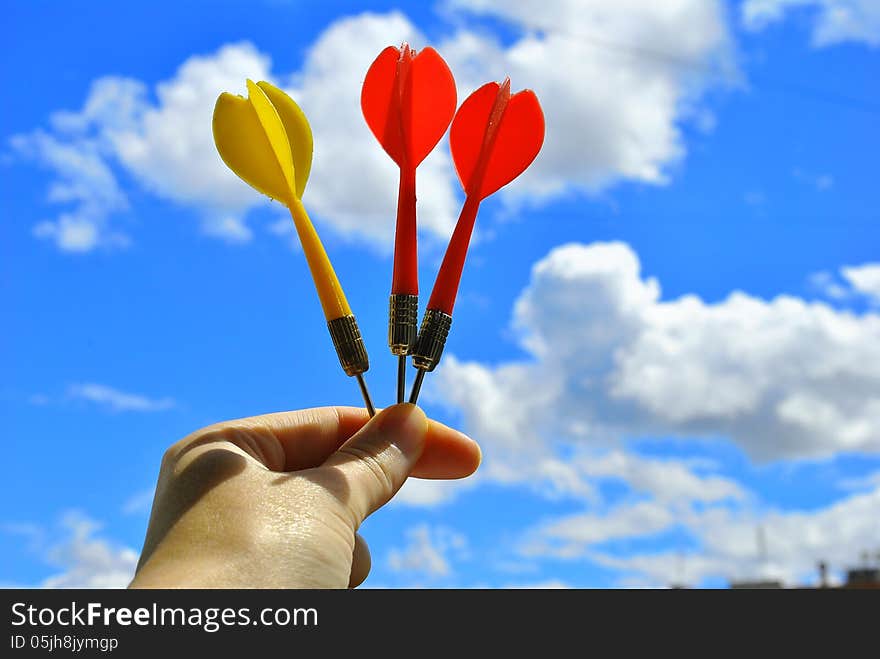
(408, 100)
(494, 138)
(266, 140)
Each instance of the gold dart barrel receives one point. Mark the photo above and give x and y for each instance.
(403, 321)
(349, 345)
(266, 140)
(352, 353)
(432, 339)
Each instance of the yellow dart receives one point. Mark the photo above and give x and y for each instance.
(266, 140)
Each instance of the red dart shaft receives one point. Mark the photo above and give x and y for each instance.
(405, 279)
(484, 165)
(449, 276)
(446, 285)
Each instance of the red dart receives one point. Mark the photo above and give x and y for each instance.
(408, 100)
(494, 138)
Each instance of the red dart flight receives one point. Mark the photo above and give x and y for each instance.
(494, 138)
(408, 100)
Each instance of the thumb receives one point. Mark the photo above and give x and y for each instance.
(377, 460)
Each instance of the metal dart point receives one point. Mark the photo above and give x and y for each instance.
(401, 377)
(417, 387)
(352, 353)
(366, 394)
(429, 347)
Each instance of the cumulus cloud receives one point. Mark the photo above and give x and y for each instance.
(742, 545)
(864, 279)
(428, 552)
(850, 282)
(115, 400)
(782, 378)
(354, 183)
(85, 560)
(83, 180)
(166, 145)
(667, 481)
(616, 81)
(569, 536)
(723, 543)
(169, 147)
(549, 584)
(834, 21)
(88, 561)
(827, 284)
(428, 493)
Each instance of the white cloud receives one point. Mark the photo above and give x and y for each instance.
(724, 543)
(868, 482)
(353, 185)
(834, 21)
(428, 551)
(82, 179)
(665, 480)
(549, 584)
(85, 560)
(782, 378)
(429, 493)
(171, 148)
(615, 79)
(825, 283)
(864, 279)
(851, 281)
(783, 545)
(568, 537)
(168, 148)
(115, 400)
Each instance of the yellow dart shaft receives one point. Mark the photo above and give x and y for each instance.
(326, 282)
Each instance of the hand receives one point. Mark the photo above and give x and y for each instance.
(275, 501)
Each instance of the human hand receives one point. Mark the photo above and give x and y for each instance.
(275, 501)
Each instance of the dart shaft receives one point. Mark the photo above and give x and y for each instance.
(429, 346)
(449, 276)
(368, 402)
(352, 352)
(401, 378)
(327, 284)
(403, 316)
(417, 387)
(405, 277)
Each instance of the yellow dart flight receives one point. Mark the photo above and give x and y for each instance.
(266, 140)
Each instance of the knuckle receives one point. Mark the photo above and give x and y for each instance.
(255, 441)
(214, 462)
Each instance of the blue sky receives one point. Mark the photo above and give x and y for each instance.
(667, 335)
